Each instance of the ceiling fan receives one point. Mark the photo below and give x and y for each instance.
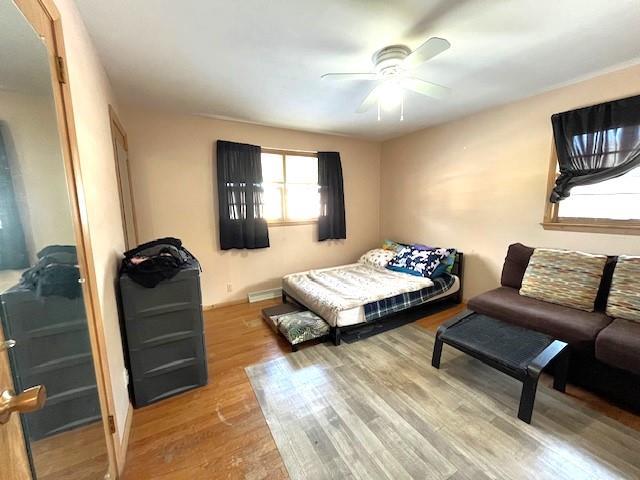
(392, 67)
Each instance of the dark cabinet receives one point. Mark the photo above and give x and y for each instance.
(164, 334)
(52, 349)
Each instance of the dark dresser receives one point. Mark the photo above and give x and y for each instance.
(164, 334)
(52, 349)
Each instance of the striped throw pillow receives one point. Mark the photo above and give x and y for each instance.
(624, 296)
(564, 277)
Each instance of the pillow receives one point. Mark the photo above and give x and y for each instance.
(378, 257)
(418, 262)
(393, 246)
(563, 277)
(624, 296)
(446, 265)
(515, 264)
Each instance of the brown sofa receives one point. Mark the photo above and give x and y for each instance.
(605, 350)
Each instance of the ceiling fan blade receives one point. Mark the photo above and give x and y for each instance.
(370, 101)
(350, 76)
(429, 49)
(425, 88)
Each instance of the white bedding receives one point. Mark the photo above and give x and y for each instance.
(339, 293)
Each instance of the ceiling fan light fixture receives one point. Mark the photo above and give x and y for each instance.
(392, 65)
(390, 94)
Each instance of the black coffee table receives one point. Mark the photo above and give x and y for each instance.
(519, 352)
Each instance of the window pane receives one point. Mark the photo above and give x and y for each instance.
(272, 201)
(272, 168)
(618, 198)
(302, 169)
(303, 202)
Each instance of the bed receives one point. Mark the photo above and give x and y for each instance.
(349, 296)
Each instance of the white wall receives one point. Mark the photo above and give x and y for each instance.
(173, 174)
(479, 183)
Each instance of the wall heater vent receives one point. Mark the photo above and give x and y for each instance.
(264, 295)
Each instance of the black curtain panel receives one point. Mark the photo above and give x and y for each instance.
(13, 249)
(596, 143)
(240, 196)
(331, 223)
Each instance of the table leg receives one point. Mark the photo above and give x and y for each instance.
(527, 398)
(561, 371)
(437, 353)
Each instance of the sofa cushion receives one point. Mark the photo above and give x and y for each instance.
(571, 279)
(624, 297)
(618, 345)
(515, 264)
(576, 327)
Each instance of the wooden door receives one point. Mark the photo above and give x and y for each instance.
(14, 463)
(127, 206)
(71, 436)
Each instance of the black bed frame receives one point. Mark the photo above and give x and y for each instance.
(335, 332)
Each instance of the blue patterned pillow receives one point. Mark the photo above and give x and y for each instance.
(446, 265)
(418, 262)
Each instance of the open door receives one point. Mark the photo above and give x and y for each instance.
(53, 408)
(15, 462)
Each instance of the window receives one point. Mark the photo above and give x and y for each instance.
(290, 181)
(594, 178)
(615, 199)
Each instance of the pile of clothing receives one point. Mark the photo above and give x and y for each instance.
(152, 262)
(55, 273)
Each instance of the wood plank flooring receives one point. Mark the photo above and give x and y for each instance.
(219, 431)
(376, 409)
(79, 454)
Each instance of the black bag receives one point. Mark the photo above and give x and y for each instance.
(152, 262)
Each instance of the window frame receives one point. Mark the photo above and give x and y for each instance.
(297, 153)
(552, 221)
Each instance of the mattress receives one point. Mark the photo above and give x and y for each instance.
(339, 294)
(355, 315)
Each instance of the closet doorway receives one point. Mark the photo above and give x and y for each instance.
(127, 206)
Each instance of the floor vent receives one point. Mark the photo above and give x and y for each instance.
(264, 295)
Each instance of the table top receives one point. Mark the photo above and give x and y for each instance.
(512, 346)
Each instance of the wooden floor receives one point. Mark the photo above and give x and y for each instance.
(219, 431)
(79, 454)
(377, 410)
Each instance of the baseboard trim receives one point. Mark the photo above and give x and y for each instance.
(230, 303)
(121, 453)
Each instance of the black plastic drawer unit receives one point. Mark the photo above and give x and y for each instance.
(164, 334)
(52, 349)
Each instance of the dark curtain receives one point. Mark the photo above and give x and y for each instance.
(331, 223)
(596, 143)
(13, 250)
(240, 196)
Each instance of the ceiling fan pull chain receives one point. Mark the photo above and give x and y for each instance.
(378, 109)
(402, 109)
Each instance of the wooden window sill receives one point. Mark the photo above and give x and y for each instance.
(612, 228)
(290, 223)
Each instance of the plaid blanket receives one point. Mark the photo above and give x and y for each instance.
(382, 308)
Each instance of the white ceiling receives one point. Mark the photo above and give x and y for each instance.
(261, 61)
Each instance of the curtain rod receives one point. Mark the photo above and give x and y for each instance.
(288, 150)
